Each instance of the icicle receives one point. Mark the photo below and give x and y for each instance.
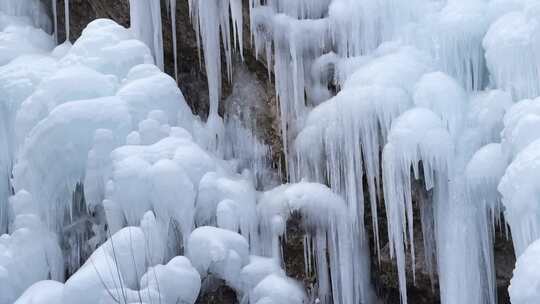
(237, 16)
(145, 16)
(483, 173)
(417, 135)
(158, 33)
(172, 8)
(359, 27)
(55, 19)
(329, 241)
(66, 19)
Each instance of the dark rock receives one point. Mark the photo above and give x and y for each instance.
(505, 260)
(215, 291)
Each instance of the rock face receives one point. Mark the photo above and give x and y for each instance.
(192, 81)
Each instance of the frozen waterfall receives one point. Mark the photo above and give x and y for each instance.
(410, 130)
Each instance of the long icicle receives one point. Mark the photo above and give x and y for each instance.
(55, 17)
(66, 14)
(172, 7)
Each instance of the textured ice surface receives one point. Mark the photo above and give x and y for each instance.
(218, 252)
(524, 284)
(520, 197)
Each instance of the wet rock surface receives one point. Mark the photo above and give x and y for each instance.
(215, 291)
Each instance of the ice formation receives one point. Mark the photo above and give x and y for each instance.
(146, 26)
(524, 285)
(217, 23)
(427, 110)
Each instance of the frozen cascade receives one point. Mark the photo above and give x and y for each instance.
(129, 126)
(324, 215)
(426, 107)
(418, 135)
(458, 51)
(483, 172)
(217, 23)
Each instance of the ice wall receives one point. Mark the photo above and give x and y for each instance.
(426, 109)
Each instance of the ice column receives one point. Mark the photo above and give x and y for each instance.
(145, 18)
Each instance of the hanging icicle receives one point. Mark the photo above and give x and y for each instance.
(66, 19)
(212, 22)
(145, 17)
(172, 9)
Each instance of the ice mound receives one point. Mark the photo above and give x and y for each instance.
(108, 48)
(30, 253)
(218, 252)
(525, 281)
(520, 197)
(511, 45)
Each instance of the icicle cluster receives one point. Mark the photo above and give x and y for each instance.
(212, 21)
(132, 183)
(445, 61)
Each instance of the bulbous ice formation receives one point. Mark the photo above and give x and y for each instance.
(511, 45)
(525, 281)
(418, 140)
(519, 191)
(219, 252)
